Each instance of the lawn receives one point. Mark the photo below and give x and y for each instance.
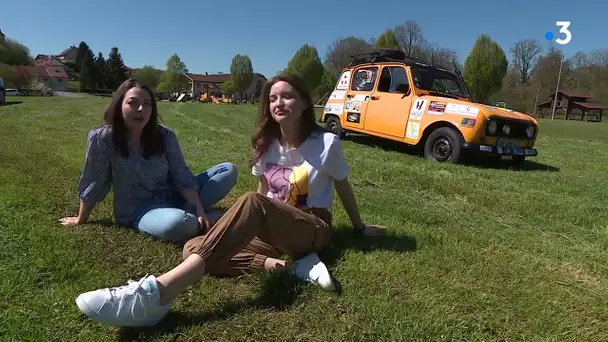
(477, 252)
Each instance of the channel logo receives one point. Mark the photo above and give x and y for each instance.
(563, 25)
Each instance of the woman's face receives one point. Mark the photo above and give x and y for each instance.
(286, 104)
(136, 108)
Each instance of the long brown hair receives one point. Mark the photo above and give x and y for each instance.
(151, 140)
(267, 129)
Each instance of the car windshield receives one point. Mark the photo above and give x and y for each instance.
(438, 81)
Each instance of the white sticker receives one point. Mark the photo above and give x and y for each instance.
(349, 103)
(413, 129)
(334, 108)
(337, 95)
(417, 109)
(344, 80)
(357, 106)
(364, 98)
(455, 108)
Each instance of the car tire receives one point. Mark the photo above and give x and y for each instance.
(444, 145)
(2, 97)
(333, 125)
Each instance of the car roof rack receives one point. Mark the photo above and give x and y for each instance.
(385, 55)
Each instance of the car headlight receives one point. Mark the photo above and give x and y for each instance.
(530, 132)
(492, 127)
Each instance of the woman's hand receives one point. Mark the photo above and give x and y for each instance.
(373, 230)
(204, 223)
(71, 221)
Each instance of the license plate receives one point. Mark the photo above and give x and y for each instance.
(507, 143)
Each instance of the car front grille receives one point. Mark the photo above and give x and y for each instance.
(518, 128)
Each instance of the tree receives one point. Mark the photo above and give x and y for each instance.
(87, 74)
(14, 53)
(147, 76)
(307, 65)
(410, 38)
(485, 68)
(82, 51)
(547, 69)
(387, 40)
(228, 88)
(9, 75)
(443, 57)
(174, 79)
(241, 73)
(116, 69)
(599, 57)
(340, 51)
(328, 83)
(525, 56)
(580, 65)
(37, 85)
(101, 72)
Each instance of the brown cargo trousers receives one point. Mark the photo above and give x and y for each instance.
(256, 228)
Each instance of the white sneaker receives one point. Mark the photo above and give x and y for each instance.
(134, 304)
(311, 269)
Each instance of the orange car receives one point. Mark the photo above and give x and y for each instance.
(388, 95)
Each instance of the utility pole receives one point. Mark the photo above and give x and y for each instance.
(561, 62)
(536, 97)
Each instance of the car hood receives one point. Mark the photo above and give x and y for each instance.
(488, 111)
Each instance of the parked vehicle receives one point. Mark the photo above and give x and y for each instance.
(389, 95)
(2, 92)
(12, 92)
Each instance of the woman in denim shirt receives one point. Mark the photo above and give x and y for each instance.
(154, 190)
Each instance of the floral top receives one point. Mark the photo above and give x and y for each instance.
(138, 183)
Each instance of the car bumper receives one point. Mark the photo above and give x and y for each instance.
(517, 151)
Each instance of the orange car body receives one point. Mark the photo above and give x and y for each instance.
(406, 100)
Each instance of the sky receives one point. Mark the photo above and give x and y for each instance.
(206, 35)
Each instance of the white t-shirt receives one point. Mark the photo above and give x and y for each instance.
(302, 176)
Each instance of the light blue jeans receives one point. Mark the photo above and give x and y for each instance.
(178, 224)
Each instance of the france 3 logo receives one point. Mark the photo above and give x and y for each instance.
(564, 29)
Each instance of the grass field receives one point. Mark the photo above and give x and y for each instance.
(480, 252)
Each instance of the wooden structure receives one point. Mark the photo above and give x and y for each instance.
(570, 100)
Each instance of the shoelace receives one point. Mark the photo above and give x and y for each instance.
(132, 288)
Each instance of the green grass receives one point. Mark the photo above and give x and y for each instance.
(73, 85)
(478, 252)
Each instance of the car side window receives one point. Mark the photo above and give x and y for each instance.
(364, 79)
(390, 78)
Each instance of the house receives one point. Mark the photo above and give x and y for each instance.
(53, 77)
(68, 56)
(570, 100)
(52, 61)
(199, 84)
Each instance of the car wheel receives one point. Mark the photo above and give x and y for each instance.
(333, 125)
(444, 145)
(2, 97)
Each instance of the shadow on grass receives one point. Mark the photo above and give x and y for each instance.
(345, 239)
(481, 162)
(497, 164)
(278, 290)
(10, 103)
(385, 144)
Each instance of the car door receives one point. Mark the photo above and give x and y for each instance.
(389, 107)
(358, 95)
